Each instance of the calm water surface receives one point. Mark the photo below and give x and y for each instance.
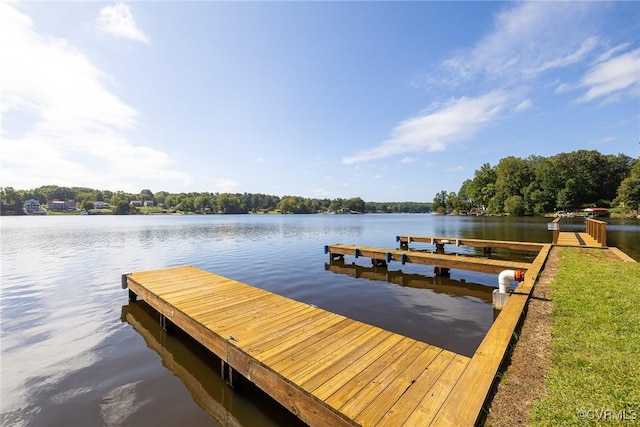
(74, 352)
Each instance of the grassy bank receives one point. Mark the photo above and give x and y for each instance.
(595, 342)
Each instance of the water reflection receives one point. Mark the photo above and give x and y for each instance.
(199, 370)
(438, 284)
(450, 313)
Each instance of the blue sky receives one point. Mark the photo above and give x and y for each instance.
(388, 101)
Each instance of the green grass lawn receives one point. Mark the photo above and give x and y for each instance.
(595, 343)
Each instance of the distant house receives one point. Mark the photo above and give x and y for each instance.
(136, 203)
(61, 205)
(148, 203)
(595, 212)
(101, 205)
(32, 207)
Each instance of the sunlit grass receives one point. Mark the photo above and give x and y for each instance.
(595, 343)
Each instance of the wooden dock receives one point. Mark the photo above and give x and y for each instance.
(327, 369)
(567, 238)
(476, 243)
(469, 263)
(595, 235)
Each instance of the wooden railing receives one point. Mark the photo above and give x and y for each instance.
(598, 230)
(556, 230)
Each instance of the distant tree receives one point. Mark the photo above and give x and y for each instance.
(482, 187)
(629, 189)
(10, 201)
(568, 197)
(230, 204)
(294, 204)
(147, 194)
(514, 205)
(356, 204)
(122, 208)
(440, 200)
(512, 177)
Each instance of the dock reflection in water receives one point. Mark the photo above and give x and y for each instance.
(439, 284)
(199, 370)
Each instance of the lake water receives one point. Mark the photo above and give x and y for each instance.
(74, 352)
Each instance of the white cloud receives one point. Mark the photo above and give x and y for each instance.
(605, 141)
(434, 130)
(528, 40)
(524, 44)
(321, 192)
(616, 77)
(118, 21)
(524, 105)
(226, 185)
(459, 168)
(76, 133)
(408, 160)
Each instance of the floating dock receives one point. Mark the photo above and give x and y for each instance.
(327, 369)
(482, 265)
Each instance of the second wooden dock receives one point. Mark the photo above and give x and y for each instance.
(483, 265)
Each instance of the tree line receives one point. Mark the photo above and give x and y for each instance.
(12, 201)
(537, 185)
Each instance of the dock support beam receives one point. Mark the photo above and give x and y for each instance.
(166, 324)
(442, 271)
(487, 250)
(226, 372)
(439, 248)
(132, 296)
(378, 262)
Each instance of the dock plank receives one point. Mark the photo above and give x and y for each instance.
(386, 398)
(359, 381)
(408, 402)
(344, 376)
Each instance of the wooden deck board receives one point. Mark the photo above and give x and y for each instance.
(391, 392)
(408, 402)
(344, 376)
(620, 254)
(317, 340)
(354, 354)
(569, 238)
(364, 377)
(331, 359)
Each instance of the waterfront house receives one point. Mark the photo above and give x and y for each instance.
(136, 203)
(32, 207)
(101, 205)
(148, 203)
(61, 205)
